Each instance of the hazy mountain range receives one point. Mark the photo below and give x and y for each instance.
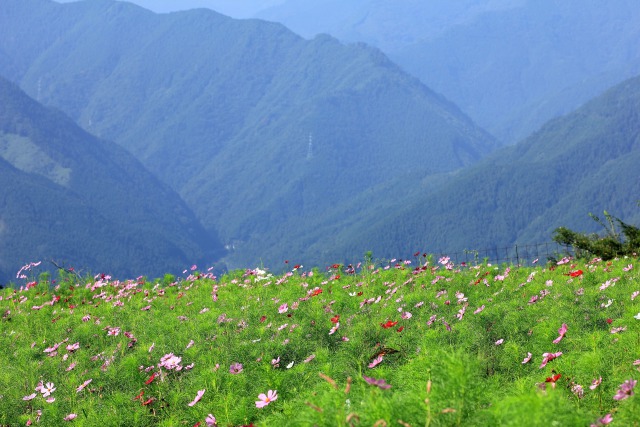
(292, 148)
(510, 65)
(69, 197)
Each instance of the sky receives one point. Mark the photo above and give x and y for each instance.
(233, 8)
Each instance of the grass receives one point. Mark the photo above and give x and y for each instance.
(450, 341)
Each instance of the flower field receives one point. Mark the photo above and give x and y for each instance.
(420, 342)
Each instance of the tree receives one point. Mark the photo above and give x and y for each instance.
(612, 244)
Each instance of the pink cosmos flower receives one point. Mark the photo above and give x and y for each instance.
(283, 308)
(595, 383)
(30, 397)
(500, 341)
(375, 362)
(548, 357)
(83, 385)
(47, 389)
(235, 368)
(170, 361)
(625, 390)
(265, 399)
(381, 383)
(210, 420)
(70, 417)
(73, 347)
(607, 419)
(527, 359)
(334, 329)
(197, 398)
(562, 331)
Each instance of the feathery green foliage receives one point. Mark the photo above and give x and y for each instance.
(379, 344)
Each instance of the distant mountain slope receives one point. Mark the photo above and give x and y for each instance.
(73, 198)
(258, 129)
(586, 161)
(509, 64)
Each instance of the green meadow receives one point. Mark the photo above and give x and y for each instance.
(419, 342)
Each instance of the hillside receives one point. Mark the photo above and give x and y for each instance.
(84, 202)
(428, 344)
(586, 161)
(257, 129)
(511, 65)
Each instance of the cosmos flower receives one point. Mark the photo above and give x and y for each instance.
(47, 389)
(378, 383)
(548, 357)
(197, 398)
(562, 331)
(265, 399)
(210, 420)
(235, 368)
(625, 390)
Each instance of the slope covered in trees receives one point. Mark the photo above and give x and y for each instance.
(586, 161)
(80, 201)
(259, 130)
(509, 64)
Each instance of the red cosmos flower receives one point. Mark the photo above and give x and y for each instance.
(609, 320)
(147, 402)
(389, 324)
(335, 266)
(316, 292)
(263, 318)
(400, 328)
(335, 318)
(359, 294)
(576, 273)
(139, 396)
(151, 378)
(553, 378)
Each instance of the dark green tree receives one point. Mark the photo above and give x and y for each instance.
(619, 239)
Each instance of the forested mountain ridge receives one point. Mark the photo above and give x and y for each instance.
(84, 202)
(581, 163)
(258, 129)
(511, 65)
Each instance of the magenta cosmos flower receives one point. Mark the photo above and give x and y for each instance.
(625, 390)
(381, 383)
(561, 333)
(265, 399)
(235, 368)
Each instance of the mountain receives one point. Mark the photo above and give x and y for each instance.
(263, 133)
(584, 162)
(511, 65)
(234, 8)
(84, 202)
